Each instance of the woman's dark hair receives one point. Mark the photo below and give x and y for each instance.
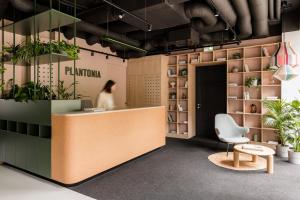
(108, 85)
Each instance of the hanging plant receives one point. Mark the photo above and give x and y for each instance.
(25, 52)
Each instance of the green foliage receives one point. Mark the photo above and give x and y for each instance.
(29, 91)
(278, 116)
(26, 52)
(250, 82)
(66, 92)
(294, 136)
(2, 70)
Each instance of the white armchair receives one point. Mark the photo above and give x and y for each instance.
(229, 132)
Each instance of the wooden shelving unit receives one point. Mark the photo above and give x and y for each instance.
(257, 58)
(181, 94)
(253, 63)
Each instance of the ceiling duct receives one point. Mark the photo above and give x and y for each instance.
(274, 7)
(244, 17)
(202, 11)
(199, 25)
(259, 10)
(188, 36)
(225, 9)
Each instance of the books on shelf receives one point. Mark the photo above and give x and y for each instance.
(239, 112)
(220, 59)
(232, 97)
(272, 142)
(252, 147)
(232, 84)
(271, 98)
(182, 62)
(195, 60)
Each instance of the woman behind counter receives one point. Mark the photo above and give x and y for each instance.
(105, 98)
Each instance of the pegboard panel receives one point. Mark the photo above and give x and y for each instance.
(152, 90)
(131, 89)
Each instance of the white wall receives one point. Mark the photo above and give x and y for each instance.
(290, 88)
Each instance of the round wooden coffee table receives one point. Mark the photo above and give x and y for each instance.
(263, 151)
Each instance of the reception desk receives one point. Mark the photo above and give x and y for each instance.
(85, 144)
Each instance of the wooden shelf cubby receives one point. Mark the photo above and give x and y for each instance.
(242, 63)
(182, 124)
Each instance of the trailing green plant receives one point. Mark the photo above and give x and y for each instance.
(25, 52)
(251, 80)
(279, 117)
(66, 92)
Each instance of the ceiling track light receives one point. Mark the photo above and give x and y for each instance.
(150, 27)
(92, 53)
(216, 14)
(121, 43)
(107, 57)
(227, 27)
(121, 16)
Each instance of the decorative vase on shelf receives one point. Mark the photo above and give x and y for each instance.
(253, 108)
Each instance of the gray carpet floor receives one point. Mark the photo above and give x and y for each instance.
(181, 171)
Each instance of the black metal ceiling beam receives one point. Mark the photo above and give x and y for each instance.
(236, 37)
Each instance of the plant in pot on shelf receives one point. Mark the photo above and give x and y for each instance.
(278, 116)
(252, 82)
(294, 136)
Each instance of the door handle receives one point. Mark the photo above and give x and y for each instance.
(198, 106)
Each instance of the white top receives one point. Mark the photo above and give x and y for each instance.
(105, 100)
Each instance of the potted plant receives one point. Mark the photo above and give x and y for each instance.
(2, 70)
(294, 136)
(278, 116)
(252, 82)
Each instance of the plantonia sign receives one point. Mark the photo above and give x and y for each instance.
(82, 72)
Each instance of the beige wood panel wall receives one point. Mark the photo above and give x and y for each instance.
(147, 81)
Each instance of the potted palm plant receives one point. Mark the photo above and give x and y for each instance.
(294, 136)
(278, 116)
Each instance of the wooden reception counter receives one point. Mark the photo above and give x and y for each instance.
(85, 144)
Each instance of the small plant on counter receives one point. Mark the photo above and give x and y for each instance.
(64, 92)
(252, 82)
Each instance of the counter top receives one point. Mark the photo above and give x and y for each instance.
(82, 113)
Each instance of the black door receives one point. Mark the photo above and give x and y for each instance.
(211, 99)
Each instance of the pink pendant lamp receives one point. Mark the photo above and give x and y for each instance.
(286, 60)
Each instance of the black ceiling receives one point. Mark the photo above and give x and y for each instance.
(171, 27)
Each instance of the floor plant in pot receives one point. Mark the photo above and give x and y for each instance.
(294, 136)
(278, 116)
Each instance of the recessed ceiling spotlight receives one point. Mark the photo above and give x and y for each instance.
(150, 27)
(216, 14)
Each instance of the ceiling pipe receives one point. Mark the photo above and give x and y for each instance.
(199, 25)
(271, 9)
(202, 11)
(259, 10)
(225, 9)
(278, 10)
(243, 17)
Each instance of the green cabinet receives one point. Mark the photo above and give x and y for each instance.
(26, 152)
